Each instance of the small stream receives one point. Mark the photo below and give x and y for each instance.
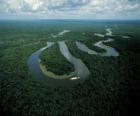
(99, 35)
(109, 32)
(60, 33)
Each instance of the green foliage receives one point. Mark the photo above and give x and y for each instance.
(111, 90)
(55, 61)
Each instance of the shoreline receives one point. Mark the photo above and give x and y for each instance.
(53, 75)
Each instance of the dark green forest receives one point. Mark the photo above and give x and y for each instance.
(112, 89)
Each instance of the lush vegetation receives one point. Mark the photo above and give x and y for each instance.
(113, 88)
(55, 61)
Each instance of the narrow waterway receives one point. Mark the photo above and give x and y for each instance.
(109, 51)
(63, 32)
(84, 48)
(60, 33)
(99, 35)
(109, 32)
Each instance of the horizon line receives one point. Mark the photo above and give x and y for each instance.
(74, 19)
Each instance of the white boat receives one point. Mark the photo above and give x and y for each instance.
(74, 78)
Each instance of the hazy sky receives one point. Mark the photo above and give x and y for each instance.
(69, 9)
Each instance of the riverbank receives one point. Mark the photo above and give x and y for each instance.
(112, 87)
(53, 75)
(55, 61)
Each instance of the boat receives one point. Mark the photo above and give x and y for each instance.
(74, 78)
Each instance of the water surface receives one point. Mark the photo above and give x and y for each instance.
(80, 68)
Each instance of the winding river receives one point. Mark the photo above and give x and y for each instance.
(81, 70)
(60, 33)
(109, 51)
